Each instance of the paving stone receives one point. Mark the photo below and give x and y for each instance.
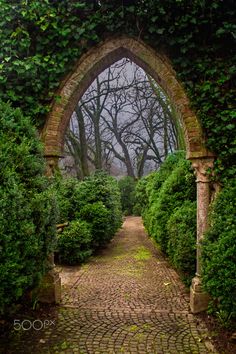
(122, 303)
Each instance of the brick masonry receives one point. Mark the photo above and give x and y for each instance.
(98, 59)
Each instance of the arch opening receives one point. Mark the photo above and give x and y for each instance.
(157, 65)
(97, 60)
(124, 124)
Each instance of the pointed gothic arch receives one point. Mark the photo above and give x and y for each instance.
(97, 59)
(88, 67)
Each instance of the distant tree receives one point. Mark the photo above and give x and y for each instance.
(124, 117)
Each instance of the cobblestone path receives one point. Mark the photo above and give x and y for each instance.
(125, 300)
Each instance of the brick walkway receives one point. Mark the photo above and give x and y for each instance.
(125, 300)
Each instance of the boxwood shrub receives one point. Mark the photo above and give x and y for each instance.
(74, 243)
(27, 208)
(97, 215)
(219, 253)
(127, 191)
(166, 199)
(96, 201)
(178, 187)
(181, 246)
(100, 187)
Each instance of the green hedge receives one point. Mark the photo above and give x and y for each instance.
(27, 208)
(169, 211)
(178, 186)
(219, 252)
(100, 187)
(65, 190)
(181, 247)
(127, 191)
(74, 243)
(96, 201)
(97, 215)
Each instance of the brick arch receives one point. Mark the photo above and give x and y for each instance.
(92, 64)
(158, 66)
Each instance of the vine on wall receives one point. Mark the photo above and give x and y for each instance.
(41, 41)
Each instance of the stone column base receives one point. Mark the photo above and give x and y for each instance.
(199, 300)
(49, 290)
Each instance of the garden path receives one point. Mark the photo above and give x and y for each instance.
(126, 299)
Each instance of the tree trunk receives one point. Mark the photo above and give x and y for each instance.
(83, 143)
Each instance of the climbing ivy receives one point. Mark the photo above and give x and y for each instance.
(42, 39)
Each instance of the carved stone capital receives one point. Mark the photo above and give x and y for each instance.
(203, 169)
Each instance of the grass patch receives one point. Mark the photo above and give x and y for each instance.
(132, 328)
(142, 254)
(133, 272)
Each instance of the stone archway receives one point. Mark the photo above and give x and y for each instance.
(159, 67)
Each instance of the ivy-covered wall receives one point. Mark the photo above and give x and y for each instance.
(42, 39)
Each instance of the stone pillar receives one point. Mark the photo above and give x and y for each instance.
(49, 290)
(203, 167)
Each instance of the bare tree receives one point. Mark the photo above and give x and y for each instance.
(123, 118)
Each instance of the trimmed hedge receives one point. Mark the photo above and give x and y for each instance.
(97, 215)
(27, 208)
(219, 253)
(96, 201)
(169, 211)
(127, 191)
(65, 189)
(174, 190)
(74, 243)
(181, 247)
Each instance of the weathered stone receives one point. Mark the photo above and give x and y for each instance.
(49, 290)
(199, 299)
(159, 67)
(98, 59)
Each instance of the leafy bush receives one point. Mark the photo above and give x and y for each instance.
(127, 191)
(141, 197)
(74, 243)
(181, 247)
(178, 187)
(65, 190)
(100, 187)
(96, 201)
(154, 184)
(27, 208)
(219, 252)
(97, 215)
(163, 173)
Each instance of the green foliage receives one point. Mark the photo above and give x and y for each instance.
(127, 191)
(103, 188)
(178, 187)
(181, 229)
(74, 243)
(148, 187)
(219, 253)
(163, 173)
(41, 40)
(28, 210)
(65, 189)
(141, 196)
(169, 211)
(97, 215)
(153, 190)
(95, 201)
